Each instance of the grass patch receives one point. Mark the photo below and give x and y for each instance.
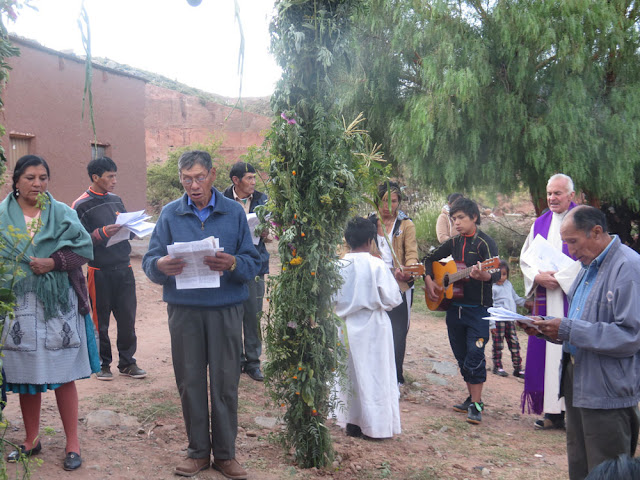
(428, 473)
(158, 410)
(144, 407)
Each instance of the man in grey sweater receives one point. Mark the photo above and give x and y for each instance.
(600, 376)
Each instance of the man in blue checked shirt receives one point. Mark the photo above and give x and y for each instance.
(600, 376)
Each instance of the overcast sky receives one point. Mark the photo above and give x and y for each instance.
(197, 46)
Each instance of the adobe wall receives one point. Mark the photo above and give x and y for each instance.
(174, 120)
(44, 98)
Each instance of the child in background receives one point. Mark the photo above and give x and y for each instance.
(505, 296)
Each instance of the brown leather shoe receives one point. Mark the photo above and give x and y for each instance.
(191, 466)
(230, 469)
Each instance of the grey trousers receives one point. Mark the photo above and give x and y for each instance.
(596, 435)
(203, 337)
(251, 325)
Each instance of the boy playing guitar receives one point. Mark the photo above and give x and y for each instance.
(468, 332)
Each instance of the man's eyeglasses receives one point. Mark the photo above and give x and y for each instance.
(187, 182)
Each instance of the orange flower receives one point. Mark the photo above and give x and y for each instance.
(313, 274)
(314, 412)
(293, 173)
(295, 216)
(299, 368)
(282, 405)
(297, 393)
(302, 234)
(295, 377)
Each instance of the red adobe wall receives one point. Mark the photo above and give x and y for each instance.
(174, 120)
(44, 97)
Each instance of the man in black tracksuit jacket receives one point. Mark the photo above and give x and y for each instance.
(468, 331)
(112, 286)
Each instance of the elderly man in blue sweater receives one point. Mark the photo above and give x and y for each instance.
(601, 344)
(205, 324)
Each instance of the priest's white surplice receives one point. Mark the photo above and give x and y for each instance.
(370, 398)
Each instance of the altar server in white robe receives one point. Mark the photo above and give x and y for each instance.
(370, 398)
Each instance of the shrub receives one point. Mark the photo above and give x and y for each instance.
(509, 233)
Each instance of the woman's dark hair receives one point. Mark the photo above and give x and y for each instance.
(388, 187)
(359, 231)
(22, 164)
(505, 265)
(452, 197)
(466, 206)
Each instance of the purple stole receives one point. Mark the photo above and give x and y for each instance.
(533, 395)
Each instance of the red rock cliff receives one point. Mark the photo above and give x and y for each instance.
(173, 119)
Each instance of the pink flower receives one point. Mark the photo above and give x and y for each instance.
(290, 121)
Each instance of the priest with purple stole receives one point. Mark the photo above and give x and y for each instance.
(542, 372)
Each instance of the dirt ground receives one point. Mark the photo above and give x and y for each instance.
(436, 442)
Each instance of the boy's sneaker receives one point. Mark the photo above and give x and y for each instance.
(500, 372)
(464, 406)
(133, 371)
(475, 413)
(104, 374)
(518, 373)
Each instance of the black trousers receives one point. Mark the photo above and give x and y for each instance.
(114, 291)
(399, 317)
(251, 325)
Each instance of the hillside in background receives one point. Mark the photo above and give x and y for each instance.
(257, 105)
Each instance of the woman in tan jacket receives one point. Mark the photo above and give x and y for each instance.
(402, 233)
(444, 225)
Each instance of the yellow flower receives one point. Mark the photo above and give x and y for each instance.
(296, 261)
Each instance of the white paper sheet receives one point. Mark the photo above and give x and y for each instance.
(195, 273)
(132, 222)
(253, 221)
(500, 314)
(544, 257)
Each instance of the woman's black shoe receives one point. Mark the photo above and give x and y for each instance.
(72, 461)
(14, 456)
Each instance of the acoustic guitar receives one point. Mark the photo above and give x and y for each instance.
(451, 275)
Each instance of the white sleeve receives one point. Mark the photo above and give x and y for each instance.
(529, 272)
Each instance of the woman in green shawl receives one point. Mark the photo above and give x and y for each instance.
(51, 342)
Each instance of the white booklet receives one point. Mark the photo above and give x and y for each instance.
(500, 314)
(195, 273)
(132, 222)
(544, 257)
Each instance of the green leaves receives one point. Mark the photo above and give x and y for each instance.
(318, 170)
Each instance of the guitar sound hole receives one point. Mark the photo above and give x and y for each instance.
(445, 281)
